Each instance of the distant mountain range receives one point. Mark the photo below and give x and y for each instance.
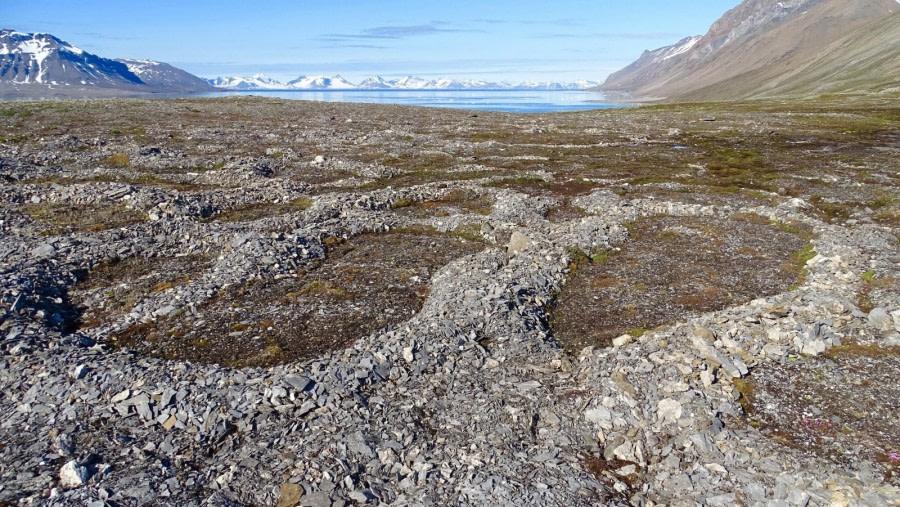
(775, 48)
(39, 64)
(758, 49)
(261, 82)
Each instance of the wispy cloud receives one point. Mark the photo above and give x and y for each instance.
(356, 46)
(637, 35)
(103, 36)
(546, 22)
(393, 32)
(599, 36)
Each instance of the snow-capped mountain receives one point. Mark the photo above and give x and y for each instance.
(165, 77)
(321, 83)
(260, 82)
(33, 63)
(556, 85)
(409, 83)
(42, 59)
(374, 83)
(254, 82)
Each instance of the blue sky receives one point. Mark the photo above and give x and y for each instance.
(505, 39)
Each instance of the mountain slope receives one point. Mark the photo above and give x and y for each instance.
(42, 59)
(765, 48)
(165, 77)
(41, 65)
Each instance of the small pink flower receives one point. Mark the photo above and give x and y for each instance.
(894, 456)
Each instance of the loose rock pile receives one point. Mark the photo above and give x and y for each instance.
(470, 401)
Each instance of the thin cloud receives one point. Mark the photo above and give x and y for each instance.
(339, 44)
(596, 36)
(97, 35)
(545, 22)
(393, 32)
(637, 35)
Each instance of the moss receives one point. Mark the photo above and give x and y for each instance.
(752, 218)
(162, 286)
(332, 241)
(577, 257)
(63, 218)
(801, 258)
(324, 288)
(746, 388)
(517, 181)
(402, 203)
(468, 232)
(415, 229)
(258, 211)
(831, 210)
(637, 332)
(117, 160)
(862, 350)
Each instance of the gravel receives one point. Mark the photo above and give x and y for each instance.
(469, 401)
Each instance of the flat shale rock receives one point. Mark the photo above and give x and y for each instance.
(461, 396)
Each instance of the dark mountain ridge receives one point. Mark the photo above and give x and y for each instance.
(40, 65)
(769, 48)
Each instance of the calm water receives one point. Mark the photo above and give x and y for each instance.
(514, 101)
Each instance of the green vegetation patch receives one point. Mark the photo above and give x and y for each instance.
(672, 268)
(256, 211)
(839, 407)
(61, 219)
(366, 283)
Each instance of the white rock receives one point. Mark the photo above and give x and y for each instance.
(517, 243)
(408, 354)
(625, 452)
(668, 410)
(814, 347)
(80, 371)
(122, 396)
(73, 475)
(621, 341)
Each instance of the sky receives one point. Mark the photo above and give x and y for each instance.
(543, 40)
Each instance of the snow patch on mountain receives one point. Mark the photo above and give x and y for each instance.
(254, 82)
(260, 82)
(321, 83)
(139, 67)
(36, 62)
(679, 48)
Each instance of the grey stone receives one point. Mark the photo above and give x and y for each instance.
(880, 320)
(518, 242)
(80, 371)
(298, 382)
(600, 416)
(45, 250)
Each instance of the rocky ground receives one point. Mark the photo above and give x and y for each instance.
(257, 302)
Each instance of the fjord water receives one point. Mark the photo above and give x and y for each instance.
(513, 101)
